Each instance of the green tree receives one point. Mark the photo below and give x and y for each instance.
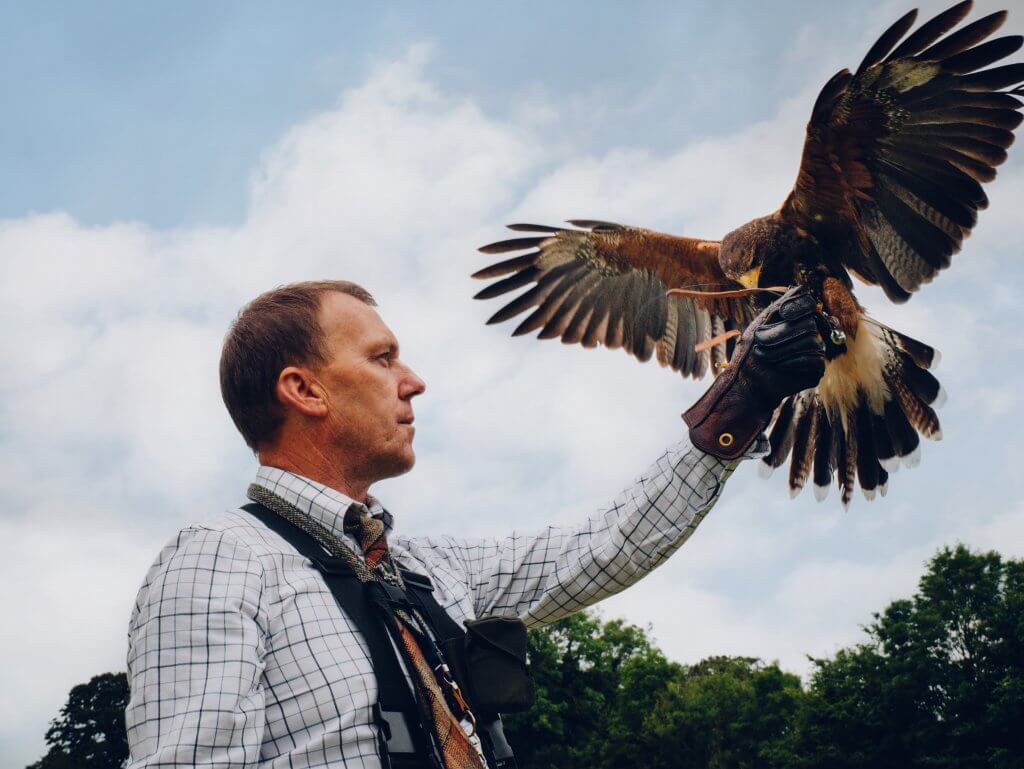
(592, 680)
(89, 732)
(608, 699)
(724, 712)
(938, 684)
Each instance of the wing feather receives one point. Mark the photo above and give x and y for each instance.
(896, 154)
(606, 284)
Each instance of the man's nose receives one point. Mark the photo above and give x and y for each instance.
(411, 385)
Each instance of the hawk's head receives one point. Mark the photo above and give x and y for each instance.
(753, 255)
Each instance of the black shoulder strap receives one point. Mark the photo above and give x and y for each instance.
(403, 733)
(421, 589)
(450, 635)
(405, 739)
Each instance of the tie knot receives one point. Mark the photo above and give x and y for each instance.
(366, 530)
(357, 517)
(355, 514)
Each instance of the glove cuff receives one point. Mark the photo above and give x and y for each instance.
(726, 420)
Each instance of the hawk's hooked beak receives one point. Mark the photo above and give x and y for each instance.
(750, 277)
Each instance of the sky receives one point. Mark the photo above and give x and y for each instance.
(164, 165)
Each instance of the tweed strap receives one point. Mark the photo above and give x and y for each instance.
(334, 544)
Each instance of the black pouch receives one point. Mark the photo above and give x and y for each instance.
(499, 679)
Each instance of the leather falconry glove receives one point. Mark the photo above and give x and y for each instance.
(779, 354)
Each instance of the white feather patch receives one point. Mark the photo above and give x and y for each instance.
(820, 492)
(869, 494)
(936, 357)
(764, 469)
(890, 465)
(940, 399)
(913, 459)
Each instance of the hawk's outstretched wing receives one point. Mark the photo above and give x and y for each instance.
(897, 152)
(606, 285)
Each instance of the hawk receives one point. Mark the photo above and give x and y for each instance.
(889, 185)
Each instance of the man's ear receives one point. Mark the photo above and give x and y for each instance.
(297, 388)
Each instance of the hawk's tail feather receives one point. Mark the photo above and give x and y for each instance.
(863, 421)
(780, 439)
(923, 355)
(823, 461)
(804, 435)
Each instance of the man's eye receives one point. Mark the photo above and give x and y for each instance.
(386, 357)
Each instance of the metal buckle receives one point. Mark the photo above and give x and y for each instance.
(443, 673)
(837, 335)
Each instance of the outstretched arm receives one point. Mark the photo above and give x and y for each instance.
(544, 576)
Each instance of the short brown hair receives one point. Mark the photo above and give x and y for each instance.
(277, 329)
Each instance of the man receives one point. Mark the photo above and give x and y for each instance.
(239, 654)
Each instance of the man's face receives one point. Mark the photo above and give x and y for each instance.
(369, 390)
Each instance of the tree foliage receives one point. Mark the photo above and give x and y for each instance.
(89, 731)
(938, 683)
(606, 697)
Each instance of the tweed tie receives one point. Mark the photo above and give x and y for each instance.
(456, 750)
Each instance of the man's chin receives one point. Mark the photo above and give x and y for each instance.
(397, 464)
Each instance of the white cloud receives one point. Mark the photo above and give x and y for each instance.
(114, 435)
(70, 591)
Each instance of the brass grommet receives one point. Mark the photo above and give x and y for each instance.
(725, 439)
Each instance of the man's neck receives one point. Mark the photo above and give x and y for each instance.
(315, 466)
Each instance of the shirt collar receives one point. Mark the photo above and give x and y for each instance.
(323, 504)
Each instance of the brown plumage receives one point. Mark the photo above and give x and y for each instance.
(889, 185)
(606, 285)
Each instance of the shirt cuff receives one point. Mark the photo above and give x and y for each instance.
(715, 471)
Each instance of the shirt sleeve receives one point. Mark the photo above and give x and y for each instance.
(544, 576)
(196, 645)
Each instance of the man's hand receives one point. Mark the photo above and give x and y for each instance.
(780, 353)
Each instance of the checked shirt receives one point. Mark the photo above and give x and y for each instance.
(239, 656)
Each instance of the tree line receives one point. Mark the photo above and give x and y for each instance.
(937, 682)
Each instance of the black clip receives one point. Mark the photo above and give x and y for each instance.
(396, 731)
(416, 580)
(332, 566)
(386, 595)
